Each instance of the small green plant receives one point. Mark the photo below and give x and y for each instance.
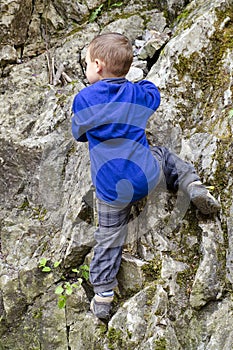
(63, 291)
(66, 288)
(116, 4)
(95, 13)
(56, 264)
(84, 269)
(43, 265)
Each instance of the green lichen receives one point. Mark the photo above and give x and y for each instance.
(186, 253)
(114, 338)
(102, 329)
(37, 313)
(25, 204)
(207, 75)
(119, 340)
(38, 213)
(207, 80)
(152, 269)
(183, 18)
(223, 171)
(160, 344)
(224, 156)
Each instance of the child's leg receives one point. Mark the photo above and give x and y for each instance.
(110, 237)
(181, 174)
(177, 172)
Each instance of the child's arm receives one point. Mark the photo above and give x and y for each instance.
(152, 94)
(77, 132)
(77, 127)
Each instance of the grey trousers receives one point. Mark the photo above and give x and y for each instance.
(112, 230)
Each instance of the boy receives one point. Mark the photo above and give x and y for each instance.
(111, 114)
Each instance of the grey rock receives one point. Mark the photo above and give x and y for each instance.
(8, 55)
(154, 42)
(180, 263)
(230, 250)
(131, 277)
(131, 26)
(15, 19)
(135, 74)
(132, 317)
(209, 280)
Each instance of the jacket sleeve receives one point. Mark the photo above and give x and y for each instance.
(152, 94)
(78, 130)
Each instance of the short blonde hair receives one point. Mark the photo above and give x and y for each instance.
(115, 50)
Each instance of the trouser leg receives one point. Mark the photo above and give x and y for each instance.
(178, 174)
(110, 237)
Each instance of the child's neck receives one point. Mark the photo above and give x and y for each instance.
(108, 75)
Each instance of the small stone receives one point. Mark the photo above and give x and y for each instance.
(8, 55)
(139, 43)
(155, 41)
(134, 74)
(140, 64)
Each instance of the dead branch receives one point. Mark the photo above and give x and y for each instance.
(58, 74)
(66, 77)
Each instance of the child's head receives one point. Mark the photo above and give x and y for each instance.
(109, 55)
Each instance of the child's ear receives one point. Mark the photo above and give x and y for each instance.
(99, 65)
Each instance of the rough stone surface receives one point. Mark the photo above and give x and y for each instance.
(8, 55)
(176, 278)
(135, 74)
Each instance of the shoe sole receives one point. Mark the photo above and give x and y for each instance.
(206, 203)
(102, 314)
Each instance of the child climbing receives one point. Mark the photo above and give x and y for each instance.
(111, 114)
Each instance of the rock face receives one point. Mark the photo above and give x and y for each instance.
(176, 278)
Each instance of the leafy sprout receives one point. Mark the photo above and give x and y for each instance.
(95, 13)
(66, 288)
(43, 266)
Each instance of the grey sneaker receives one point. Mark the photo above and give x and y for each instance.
(202, 199)
(101, 306)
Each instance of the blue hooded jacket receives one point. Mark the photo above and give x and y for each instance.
(112, 115)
